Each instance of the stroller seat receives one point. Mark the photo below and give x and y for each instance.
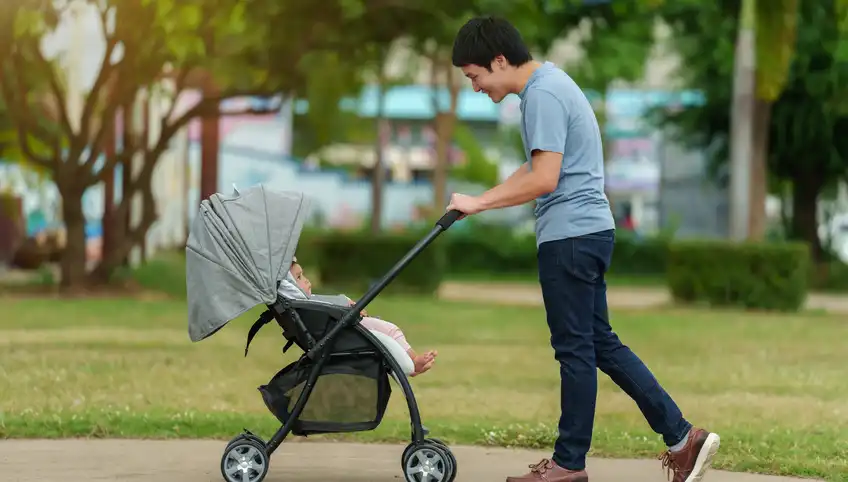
(351, 391)
(289, 290)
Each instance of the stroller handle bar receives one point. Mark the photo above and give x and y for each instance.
(448, 219)
(352, 314)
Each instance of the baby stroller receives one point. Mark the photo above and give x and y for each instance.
(239, 251)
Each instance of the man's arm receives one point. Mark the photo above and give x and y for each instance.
(540, 180)
(547, 125)
(524, 168)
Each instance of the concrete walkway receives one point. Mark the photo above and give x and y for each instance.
(618, 297)
(199, 461)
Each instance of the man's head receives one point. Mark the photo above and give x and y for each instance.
(301, 279)
(490, 52)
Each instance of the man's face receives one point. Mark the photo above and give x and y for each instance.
(495, 84)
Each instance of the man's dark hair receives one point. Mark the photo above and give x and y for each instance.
(482, 39)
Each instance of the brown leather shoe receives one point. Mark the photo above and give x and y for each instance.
(548, 471)
(692, 462)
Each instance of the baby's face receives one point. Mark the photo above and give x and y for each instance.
(301, 279)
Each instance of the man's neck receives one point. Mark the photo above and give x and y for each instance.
(523, 75)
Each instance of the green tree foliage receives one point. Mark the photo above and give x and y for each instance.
(616, 40)
(145, 40)
(806, 142)
(776, 34)
(433, 40)
(257, 47)
(7, 142)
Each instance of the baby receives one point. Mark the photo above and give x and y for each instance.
(422, 362)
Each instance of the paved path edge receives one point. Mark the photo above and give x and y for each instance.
(181, 460)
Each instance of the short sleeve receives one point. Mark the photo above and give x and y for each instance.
(545, 121)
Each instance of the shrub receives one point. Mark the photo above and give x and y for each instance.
(355, 260)
(164, 273)
(31, 255)
(639, 255)
(497, 250)
(830, 276)
(491, 250)
(771, 276)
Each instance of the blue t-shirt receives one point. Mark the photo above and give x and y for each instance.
(556, 116)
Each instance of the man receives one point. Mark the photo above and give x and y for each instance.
(575, 231)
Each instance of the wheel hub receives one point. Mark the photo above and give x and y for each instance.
(424, 465)
(426, 468)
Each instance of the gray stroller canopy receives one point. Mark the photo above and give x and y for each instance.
(238, 249)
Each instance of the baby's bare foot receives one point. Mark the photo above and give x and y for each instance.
(424, 362)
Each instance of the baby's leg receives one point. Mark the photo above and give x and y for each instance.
(386, 328)
(422, 362)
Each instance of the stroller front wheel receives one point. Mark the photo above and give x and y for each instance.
(428, 461)
(244, 460)
(450, 455)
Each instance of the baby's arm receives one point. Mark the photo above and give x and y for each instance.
(350, 302)
(340, 300)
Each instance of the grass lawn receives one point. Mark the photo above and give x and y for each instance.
(773, 386)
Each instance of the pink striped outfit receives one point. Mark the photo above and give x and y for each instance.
(386, 328)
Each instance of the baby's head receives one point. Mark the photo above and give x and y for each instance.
(301, 279)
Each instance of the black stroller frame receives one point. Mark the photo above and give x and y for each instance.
(425, 459)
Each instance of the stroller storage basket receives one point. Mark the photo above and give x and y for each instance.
(350, 394)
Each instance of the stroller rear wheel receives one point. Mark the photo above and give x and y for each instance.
(429, 461)
(244, 460)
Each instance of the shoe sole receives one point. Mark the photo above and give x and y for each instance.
(705, 458)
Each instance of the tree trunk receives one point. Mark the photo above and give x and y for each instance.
(606, 145)
(445, 123)
(132, 215)
(209, 146)
(108, 193)
(131, 238)
(805, 194)
(117, 254)
(73, 262)
(378, 173)
(119, 250)
(758, 221)
(186, 189)
(786, 209)
(122, 219)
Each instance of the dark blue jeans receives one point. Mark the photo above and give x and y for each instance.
(571, 272)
